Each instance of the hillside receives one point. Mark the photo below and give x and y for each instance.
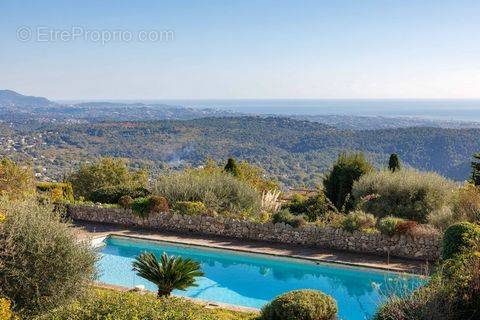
(295, 152)
(9, 98)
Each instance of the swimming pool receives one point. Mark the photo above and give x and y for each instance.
(252, 280)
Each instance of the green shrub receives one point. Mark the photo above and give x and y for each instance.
(423, 304)
(280, 216)
(286, 217)
(113, 194)
(298, 204)
(190, 208)
(453, 293)
(388, 225)
(232, 168)
(42, 264)
(103, 304)
(104, 173)
(408, 193)
(460, 237)
(358, 220)
(145, 206)
(466, 204)
(339, 181)
(301, 305)
(220, 192)
(313, 208)
(125, 202)
(140, 206)
(55, 191)
(442, 218)
(158, 204)
(297, 221)
(16, 182)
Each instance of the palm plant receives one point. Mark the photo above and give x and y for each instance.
(167, 274)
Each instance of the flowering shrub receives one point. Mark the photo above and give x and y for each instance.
(6, 312)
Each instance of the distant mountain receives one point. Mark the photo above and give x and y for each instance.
(20, 109)
(9, 98)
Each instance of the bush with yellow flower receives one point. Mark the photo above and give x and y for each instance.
(6, 312)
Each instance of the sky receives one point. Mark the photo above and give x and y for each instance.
(245, 49)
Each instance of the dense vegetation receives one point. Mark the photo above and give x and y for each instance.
(108, 305)
(42, 265)
(100, 181)
(407, 193)
(453, 291)
(294, 152)
(219, 192)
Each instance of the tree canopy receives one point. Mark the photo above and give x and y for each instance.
(105, 173)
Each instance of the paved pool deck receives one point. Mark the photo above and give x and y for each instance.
(91, 230)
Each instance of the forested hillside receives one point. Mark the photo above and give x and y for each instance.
(295, 152)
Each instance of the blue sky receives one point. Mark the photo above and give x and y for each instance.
(246, 49)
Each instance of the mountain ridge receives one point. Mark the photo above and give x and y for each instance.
(15, 99)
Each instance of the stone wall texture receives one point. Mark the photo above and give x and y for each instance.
(426, 248)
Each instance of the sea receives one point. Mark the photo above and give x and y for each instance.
(449, 110)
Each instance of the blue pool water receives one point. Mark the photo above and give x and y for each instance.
(252, 280)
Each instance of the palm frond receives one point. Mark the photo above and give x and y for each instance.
(168, 273)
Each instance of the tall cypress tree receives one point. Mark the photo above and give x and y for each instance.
(394, 163)
(476, 170)
(338, 183)
(232, 167)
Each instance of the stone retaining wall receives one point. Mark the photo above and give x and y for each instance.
(428, 248)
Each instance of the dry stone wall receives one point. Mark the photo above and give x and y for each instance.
(427, 248)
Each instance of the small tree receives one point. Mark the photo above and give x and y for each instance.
(232, 167)
(339, 181)
(106, 173)
(15, 181)
(42, 263)
(394, 163)
(169, 273)
(476, 170)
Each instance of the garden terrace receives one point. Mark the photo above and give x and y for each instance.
(427, 247)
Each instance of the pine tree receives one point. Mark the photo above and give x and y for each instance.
(394, 163)
(232, 167)
(476, 170)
